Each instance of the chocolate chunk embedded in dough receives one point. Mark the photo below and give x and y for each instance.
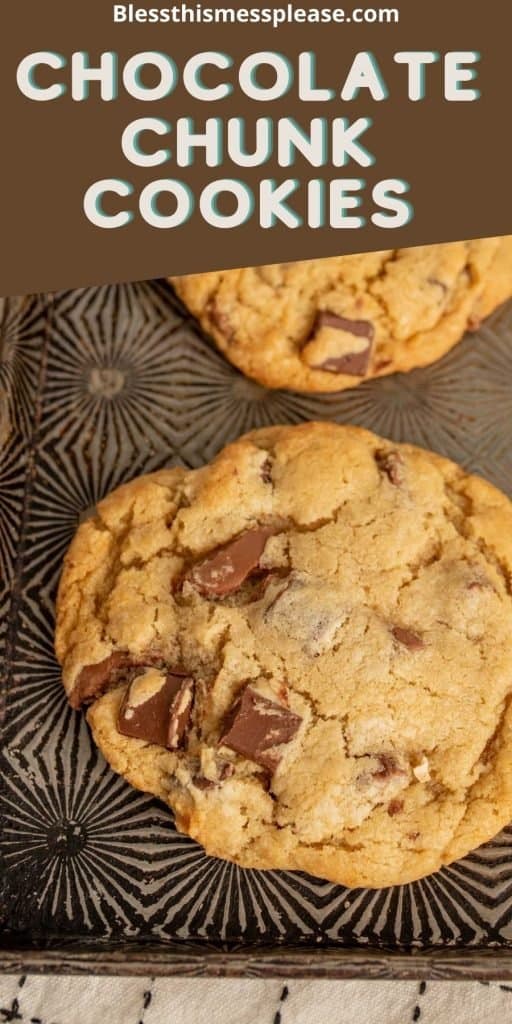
(391, 465)
(408, 638)
(119, 667)
(224, 571)
(339, 345)
(179, 717)
(225, 771)
(156, 708)
(305, 610)
(359, 328)
(94, 679)
(257, 728)
(354, 365)
(221, 321)
(389, 768)
(395, 807)
(266, 471)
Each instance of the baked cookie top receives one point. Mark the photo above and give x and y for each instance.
(304, 648)
(328, 324)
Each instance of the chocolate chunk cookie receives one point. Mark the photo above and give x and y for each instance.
(326, 325)
(304, 649)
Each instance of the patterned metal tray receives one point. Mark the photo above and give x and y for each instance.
(97, 386)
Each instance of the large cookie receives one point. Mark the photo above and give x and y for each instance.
(327, 325)
(304, 649)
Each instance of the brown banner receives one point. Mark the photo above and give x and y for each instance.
(446, 155)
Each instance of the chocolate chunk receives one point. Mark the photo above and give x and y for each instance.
(359, 328)
(224, 572)
(392, 465)
(202, 783)
(266, 471)
(221, 321)
(354, 364)
(157, 708)
(225, 771)
(389, 768)
(395, 807)
(305, 610)
(408, 638)
(119, 667)
(257, 727)
(94, 679)
(179, 718)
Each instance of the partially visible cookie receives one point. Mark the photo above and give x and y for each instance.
(328, 324)
(304, 650)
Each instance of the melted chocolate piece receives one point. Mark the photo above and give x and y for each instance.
(221, 321)
(304, 611)
(355, 364)
(223, 572)
(392, 465)
(94, 679)
(408, 638)
(389, 768)
(163, 717)
(395, 807)
(257, 727)
(202, 783)
(266, 471)
(119, 667)
(359, 328)
(179, 717)
(225, 772)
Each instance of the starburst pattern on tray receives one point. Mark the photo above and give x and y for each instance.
(22, 334)
(211, 899)
(150, 381)
(12, 485)
(85, 840)
(131, 386)
(468, 903)
(110, 387)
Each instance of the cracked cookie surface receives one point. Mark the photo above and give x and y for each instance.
(328, 324)
(304, 649)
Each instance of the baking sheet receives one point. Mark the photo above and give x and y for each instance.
(96, 387)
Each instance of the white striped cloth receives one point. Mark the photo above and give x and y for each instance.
(94, 1000)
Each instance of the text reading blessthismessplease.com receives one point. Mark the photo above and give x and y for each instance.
(288, 14)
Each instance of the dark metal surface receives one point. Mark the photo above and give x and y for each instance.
(96, 387)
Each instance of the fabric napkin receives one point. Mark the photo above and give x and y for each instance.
(94, 1000)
